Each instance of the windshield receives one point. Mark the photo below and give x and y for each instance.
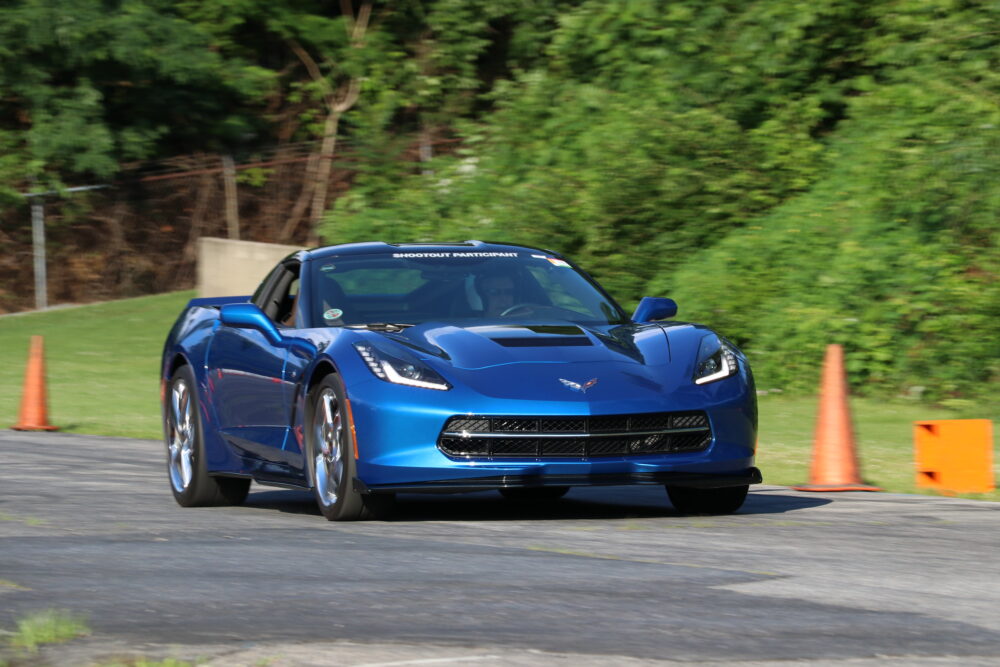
(412, 287)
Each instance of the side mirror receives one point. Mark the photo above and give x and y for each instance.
(653, 308)
(249, 316)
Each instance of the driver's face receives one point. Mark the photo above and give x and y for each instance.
(498, 294)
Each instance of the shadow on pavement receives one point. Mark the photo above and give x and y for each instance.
(778, 503)
(288, 501)
(608, 502)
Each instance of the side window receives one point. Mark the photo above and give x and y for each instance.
(288, 309)
(263, 291)
(279, 296)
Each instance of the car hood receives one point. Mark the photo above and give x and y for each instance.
(533, 361)
(485, 346)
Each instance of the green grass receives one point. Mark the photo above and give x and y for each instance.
(883, 433)
(10, 585)
(53, 626)
(144, 662)
(47, 627)
(102, 364)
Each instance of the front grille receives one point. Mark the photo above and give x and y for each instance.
(472, 436)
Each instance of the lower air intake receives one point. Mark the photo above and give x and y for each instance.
(469, 436)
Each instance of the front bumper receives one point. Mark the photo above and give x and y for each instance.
(398, 428)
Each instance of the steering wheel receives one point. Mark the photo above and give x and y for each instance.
(516, 306)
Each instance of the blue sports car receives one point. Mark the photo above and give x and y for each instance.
(364, 370)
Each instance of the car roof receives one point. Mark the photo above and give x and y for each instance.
(380, 247)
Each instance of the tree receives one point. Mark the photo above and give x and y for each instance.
(87, 87)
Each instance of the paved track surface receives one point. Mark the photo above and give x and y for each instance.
(607, 575)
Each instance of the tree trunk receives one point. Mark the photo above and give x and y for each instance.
(118, 266)
(426, 149)
(205, 190)
(337, 103)
(302, 203)
(323, 170)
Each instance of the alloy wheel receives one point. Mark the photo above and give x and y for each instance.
(328, 462)
(180, 447)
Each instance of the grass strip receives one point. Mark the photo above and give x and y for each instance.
(144, 662)
(51, 626)
(102, 363)
(883, 435)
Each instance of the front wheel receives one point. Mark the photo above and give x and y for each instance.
(330, 457)
(726, 500)
(190, 482)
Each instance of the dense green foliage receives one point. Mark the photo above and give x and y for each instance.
(893, 252)
(793, 173)
(86, 85)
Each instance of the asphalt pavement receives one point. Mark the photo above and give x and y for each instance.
(608, 575)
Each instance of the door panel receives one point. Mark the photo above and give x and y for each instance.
(248, 389)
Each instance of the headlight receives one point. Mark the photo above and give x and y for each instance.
(399, 371)
(716, 360)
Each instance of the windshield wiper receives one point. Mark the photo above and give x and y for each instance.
(380, 326)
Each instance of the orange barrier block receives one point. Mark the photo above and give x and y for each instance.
(954, 455)
(34, 404)
(835, 461)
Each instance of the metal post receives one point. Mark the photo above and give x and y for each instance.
(232, 203)
(38, 239)
(38, 247)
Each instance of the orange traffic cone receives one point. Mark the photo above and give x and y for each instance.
(835, 462)
(33, 402)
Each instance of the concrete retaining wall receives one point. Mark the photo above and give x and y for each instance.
(230, 268)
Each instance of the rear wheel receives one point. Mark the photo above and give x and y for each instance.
(330, 457)
(190, 482)
(726, 500)
(533, 495)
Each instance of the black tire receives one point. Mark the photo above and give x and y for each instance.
(534, 495)
(330, 461)
(187, 473)
(725, 500)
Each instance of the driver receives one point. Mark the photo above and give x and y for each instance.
(497, 292)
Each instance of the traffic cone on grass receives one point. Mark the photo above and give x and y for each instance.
(34, 409)
(835, 461)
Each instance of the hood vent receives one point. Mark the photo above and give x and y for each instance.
(548, 335)
(547, 341)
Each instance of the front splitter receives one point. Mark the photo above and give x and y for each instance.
(683, 479)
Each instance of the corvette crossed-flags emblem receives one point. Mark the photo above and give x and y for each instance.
(576, 386)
